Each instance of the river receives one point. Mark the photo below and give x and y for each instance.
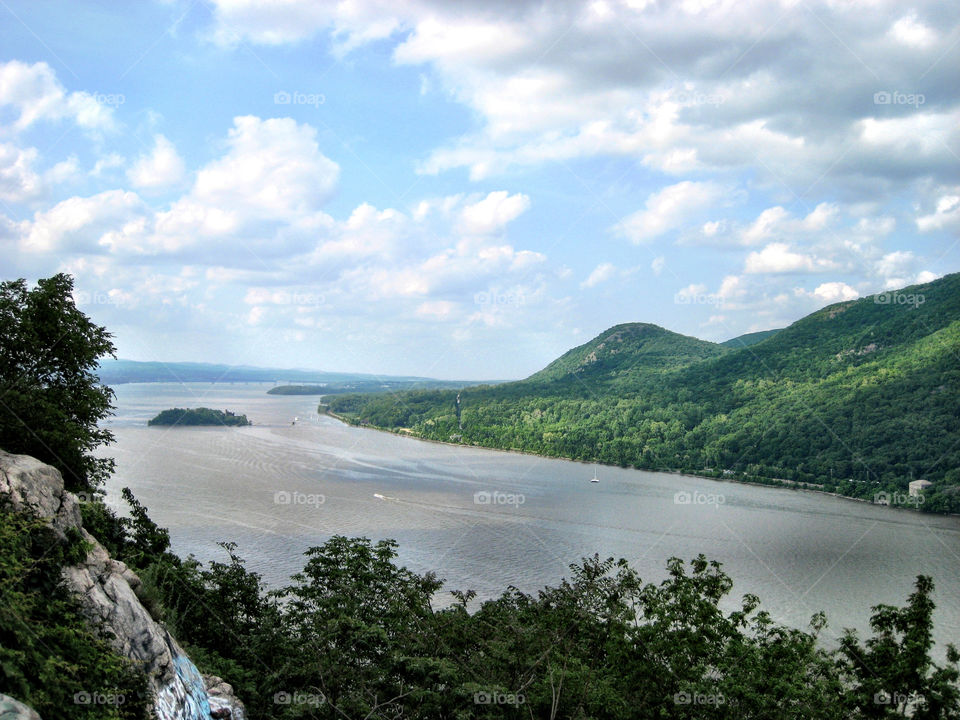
(484, 519)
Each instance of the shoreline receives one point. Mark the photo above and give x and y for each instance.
(782, 485)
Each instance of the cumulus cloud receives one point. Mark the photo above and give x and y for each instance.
(680, 88)
(81, 222)
(493, 212)
(35, 94)
(162, 167)
(19, 181)
(946, 215)
(668, 209)
(780, 258)
(600, 274)
(832, 292)
(272, 168)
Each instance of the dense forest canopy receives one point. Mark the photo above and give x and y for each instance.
(198, 416)
(860, 397)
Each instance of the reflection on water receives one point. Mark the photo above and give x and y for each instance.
(485, 520)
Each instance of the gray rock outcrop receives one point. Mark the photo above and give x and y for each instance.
(107, 590)
(11, 709)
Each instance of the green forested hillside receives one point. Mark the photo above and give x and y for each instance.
(742, 341)
(625, 351)
(860, 397)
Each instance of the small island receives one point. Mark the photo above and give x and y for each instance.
(199, 416)
(298, 390)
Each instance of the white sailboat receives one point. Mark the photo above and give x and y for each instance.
(594, 479)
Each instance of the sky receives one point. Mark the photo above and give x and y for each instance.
(467, 190)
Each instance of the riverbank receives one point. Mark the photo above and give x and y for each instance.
(772, 483)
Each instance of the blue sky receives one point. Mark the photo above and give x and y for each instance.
(468, 190)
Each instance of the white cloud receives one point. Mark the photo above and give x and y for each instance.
(81, 222)
(63, 172)
(765, 226)
(35, 94)
(255, 315)
(601, 273)
(898, 262)
(548, 82)
(18, 180)
(731, 288)
(832, 292)
(441, 309)
(493, 212)
(163, 166)
(945, 216)
(658, 264)
(691, 291)
(779, 258)
(273, 168)
(107, 162)
(910, 31)
(668, 209)
(291, 21)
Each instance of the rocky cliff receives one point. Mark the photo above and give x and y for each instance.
(107, 591)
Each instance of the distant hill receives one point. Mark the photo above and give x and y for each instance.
(749, 339)
(627, 350)
(859, 398)
(116, 372)
(365, 386)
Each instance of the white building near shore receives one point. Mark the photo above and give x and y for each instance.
(918, 486)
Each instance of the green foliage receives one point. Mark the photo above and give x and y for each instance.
(891, 674)
(198, 416)
(298, 390)
(626, 351)
(356, 636)
(50, 659)
(749, 339)
(858, 398)
(50, 398)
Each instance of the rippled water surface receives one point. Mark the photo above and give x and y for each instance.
(277, 489)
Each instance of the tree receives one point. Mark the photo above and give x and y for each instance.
(892, 674)
(51, 399)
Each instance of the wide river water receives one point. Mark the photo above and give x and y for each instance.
(277, 489)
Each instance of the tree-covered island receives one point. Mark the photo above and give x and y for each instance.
(199, 416)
